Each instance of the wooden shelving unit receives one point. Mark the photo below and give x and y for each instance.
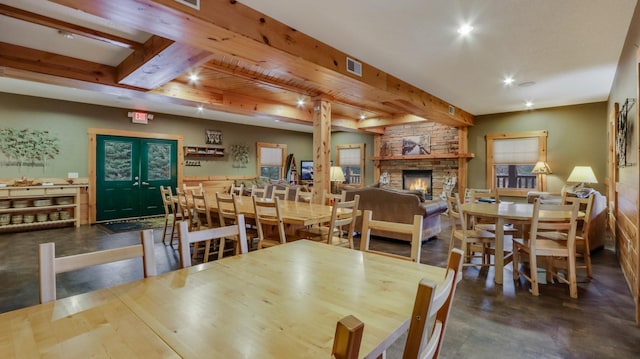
(32, 195)
(203, 151)
(422, 157)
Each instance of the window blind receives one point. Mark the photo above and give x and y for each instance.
(349, 156)
(516, 150)
(270, 156)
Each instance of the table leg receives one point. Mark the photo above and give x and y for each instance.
(499, 252)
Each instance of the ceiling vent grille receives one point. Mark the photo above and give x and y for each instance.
(452, 110)
(354, 67)
(191, 3)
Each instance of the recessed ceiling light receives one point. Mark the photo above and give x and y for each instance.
(193, 77)
(508, 80)
(200, 108)
(528, 104)
(465, 29)
(363, 116)
(66, 34)
(300, 102)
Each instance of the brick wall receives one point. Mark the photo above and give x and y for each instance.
(444, 140)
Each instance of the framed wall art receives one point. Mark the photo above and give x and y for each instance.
(624, 128)
(213, 137)
(416, 145)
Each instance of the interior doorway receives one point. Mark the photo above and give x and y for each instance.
(126, 171)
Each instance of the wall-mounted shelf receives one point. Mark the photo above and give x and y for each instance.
(436, 156)
(203, 151)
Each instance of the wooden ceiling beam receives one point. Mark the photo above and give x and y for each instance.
(159, 61)
(233, 29)
(68, 27)
(399, 119)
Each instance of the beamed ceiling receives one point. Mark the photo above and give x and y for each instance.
(247, 63)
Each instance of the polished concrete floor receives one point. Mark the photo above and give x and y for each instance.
(487, 320)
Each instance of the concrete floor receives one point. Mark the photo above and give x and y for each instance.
(487, 320)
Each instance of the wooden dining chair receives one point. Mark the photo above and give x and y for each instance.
(414, 229)
(196, 188)
(183, 208)
(259, 192)
(329, 198)
(171, 214)
(201, 210)
(583, 249)
(186, 238)
(471, 240)
(557, 218)
(269, 222)
(335, 234)
(237, 190)
(282, 194)
(348, 337)
(228, 213)
(305, 196)
(49, 265)
(433, 305)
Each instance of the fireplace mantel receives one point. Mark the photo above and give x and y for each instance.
(422, 157)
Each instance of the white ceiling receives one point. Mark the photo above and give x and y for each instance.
(569, 48)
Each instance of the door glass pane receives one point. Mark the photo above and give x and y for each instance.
(159, 161)
(118, 165)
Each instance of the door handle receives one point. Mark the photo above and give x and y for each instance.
(145, 183)
(136, 183)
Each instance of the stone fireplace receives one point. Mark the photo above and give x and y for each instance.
(418, 180)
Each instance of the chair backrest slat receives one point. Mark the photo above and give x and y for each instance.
(186, 238)
(414, 229)
(50, 265)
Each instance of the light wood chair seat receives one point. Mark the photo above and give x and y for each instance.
(49, 265)
(187, 238)
(414, 229)
(348, 337)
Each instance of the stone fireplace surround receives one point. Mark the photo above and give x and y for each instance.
(440, 168)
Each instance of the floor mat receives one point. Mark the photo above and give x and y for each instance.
(131, 225)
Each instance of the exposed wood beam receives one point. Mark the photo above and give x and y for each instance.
(250, 105)
(228, 27)
(352, 125)
(159, 61)
(42, 62)
(395, 120)
(68, 27)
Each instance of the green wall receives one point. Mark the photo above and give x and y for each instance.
(69, 121)
(577, 136)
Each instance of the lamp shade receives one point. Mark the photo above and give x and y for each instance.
(541, 168)
(582, 174)
(336, 174)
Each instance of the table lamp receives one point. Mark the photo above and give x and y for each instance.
(336, 175)
(582, 174)
(541, 168)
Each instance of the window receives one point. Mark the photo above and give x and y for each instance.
(511, 158)
(351, 159)
(271, 159)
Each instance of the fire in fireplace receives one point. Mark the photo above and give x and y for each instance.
(418, 179)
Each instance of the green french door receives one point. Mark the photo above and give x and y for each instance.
(129, 173)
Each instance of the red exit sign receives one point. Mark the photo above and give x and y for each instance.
(140, 117)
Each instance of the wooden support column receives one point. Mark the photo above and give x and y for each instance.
(463, 147)
(321, 147)
(377, 143)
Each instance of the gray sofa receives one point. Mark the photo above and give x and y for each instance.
(399, 206)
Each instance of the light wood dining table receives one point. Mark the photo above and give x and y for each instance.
(503, 213)
(279, 302)
(293, 212)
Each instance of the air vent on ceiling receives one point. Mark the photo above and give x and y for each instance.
(354, 67)
(191, 3)
(452, 110)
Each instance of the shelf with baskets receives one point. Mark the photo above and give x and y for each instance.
(32, 207)
(203, 151)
